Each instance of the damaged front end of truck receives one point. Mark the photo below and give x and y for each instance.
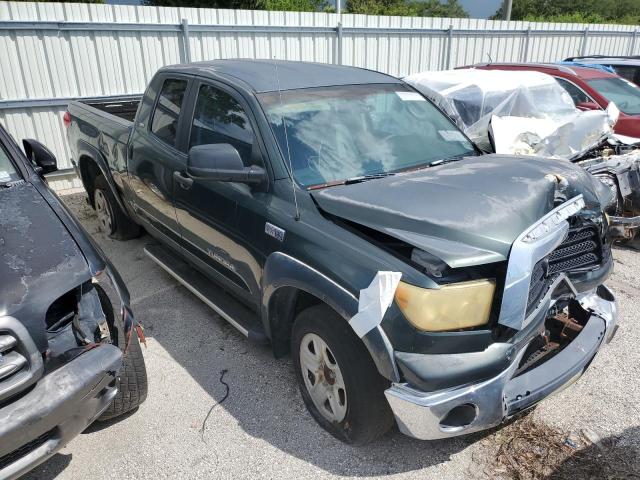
(515, 308)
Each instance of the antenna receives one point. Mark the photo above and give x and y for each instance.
(286, 139)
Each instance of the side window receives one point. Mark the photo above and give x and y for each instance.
(219, 118)
(628, 72)
(577, 95)
(165, 118)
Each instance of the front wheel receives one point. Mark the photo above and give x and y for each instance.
(339, 382)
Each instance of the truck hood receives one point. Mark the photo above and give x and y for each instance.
(467, 212)
(39, 259)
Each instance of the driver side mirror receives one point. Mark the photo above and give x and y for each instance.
(44, 161)
(221, 162)
(588, 106)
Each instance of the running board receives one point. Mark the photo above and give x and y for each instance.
(239, 316)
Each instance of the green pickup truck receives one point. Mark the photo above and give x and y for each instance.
(338, 215)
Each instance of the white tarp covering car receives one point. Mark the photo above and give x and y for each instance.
(529, 113)
(516, 112)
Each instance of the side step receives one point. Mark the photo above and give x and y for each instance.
(234, 312)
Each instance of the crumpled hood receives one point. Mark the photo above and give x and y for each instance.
(39, 259)
(467, 212)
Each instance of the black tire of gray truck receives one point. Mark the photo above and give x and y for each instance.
(368, 414)
(121, 227)
(132, 381)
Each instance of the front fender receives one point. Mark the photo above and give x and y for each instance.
(282, 270)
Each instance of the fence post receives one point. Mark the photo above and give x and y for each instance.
(449, 46)
(339, 43)
(185, 40)
(527, 39)
(632, 46)
(585, 37)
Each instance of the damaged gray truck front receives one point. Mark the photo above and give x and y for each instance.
(61, 340)
(337, 214)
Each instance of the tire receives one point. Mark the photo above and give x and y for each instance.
(132, 381)
(112, 220)
(359, 414)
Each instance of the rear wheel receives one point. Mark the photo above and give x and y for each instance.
(339, 382)
(112, 220)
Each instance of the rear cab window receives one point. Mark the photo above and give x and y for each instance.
(164, 123)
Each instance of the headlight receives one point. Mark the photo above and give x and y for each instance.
(452, 307)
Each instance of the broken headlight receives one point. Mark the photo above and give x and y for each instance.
(452, 307)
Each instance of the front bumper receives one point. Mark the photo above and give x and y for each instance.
(61, 405)
(475, 407)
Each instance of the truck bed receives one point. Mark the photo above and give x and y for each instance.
(104, 125)
(124, 108)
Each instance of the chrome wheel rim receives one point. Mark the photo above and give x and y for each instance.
(323, 378)
(103, 211)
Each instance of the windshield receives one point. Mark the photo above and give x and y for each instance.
(7, 171)
(339, 133)
(622, 92)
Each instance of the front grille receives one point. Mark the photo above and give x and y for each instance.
(25, 449)
(582, 249)
(12, 362)
(20, 361)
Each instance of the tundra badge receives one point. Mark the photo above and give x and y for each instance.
(273, 231)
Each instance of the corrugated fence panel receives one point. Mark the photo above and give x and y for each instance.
(115, 49)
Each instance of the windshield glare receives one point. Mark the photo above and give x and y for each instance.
(338, 133)
(623, 93)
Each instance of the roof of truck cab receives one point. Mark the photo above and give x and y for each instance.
(261, 76)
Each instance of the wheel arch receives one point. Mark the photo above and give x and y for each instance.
(91, 163)
(289, 286)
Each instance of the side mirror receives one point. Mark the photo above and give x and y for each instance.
(221, 162)
(44, 161)
(588, 106)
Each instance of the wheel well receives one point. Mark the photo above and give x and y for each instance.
(284, 306)
(89, 171)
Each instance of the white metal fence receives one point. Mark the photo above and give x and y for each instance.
(52, 52)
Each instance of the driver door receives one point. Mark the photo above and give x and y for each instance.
(207, 210)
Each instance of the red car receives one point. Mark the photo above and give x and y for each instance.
(590, 89)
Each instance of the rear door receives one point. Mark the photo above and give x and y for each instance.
(154, 156)
(207, 211)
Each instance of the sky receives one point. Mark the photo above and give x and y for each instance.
(476, 8)
(481, 8)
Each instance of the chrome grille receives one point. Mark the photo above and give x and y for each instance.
(582, 249)
(11, 361)
(21, 363)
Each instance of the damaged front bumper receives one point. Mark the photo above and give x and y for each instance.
(482, 405)
(60, 406)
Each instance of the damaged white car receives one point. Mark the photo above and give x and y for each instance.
(529, 113)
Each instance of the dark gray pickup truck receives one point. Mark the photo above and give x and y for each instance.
(339, 215)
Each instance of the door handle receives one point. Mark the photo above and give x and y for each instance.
(182, 180)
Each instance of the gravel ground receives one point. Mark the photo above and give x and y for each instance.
(262, 429)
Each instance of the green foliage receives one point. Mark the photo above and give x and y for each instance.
(294, 5)
(576, 11)
(411, 8)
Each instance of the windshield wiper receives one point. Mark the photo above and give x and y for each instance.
(364, 178)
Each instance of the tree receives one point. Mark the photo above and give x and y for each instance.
(295, 5)
(234, 4)
(582, 11)
(413, 8)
